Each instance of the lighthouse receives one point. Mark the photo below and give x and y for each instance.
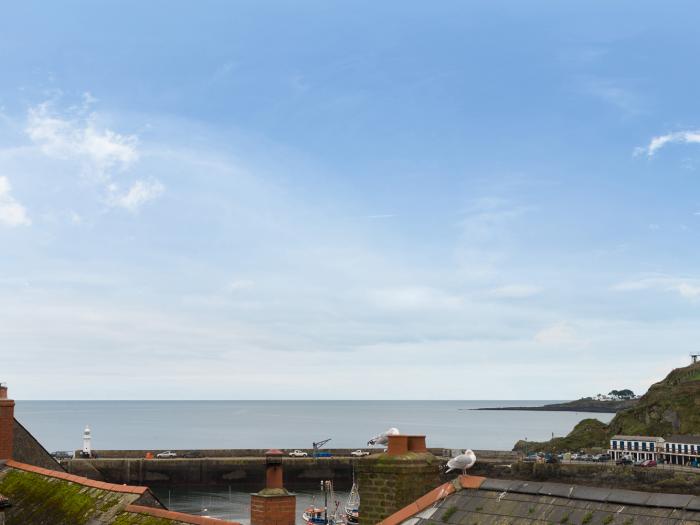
(87, 446)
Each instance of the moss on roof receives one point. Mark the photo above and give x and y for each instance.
(132, 518)
(42, 500)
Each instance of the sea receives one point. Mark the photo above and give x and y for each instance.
(163, 425)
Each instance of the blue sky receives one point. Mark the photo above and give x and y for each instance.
(459, 200)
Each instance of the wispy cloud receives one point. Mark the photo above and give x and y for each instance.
(557, 334)
(415, 298)
(612, 92)
(76, 135)
(688, 288)
(680, 137)
(12, 213)
(515, 291)
(138, 194)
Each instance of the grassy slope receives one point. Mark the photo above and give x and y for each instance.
(671, 406)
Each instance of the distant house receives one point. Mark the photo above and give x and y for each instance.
(636, 447)
(682, 450)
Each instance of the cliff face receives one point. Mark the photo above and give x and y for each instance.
(671, 406)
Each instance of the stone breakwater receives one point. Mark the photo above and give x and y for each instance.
(241, 469)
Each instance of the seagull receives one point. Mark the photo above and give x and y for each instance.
(462, 462)
(383, 438)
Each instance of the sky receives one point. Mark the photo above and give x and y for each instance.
(347, 200)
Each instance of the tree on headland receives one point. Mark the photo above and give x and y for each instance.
(622, 394)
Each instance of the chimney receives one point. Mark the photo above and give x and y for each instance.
(273, 505)
(7, 424)
(390, 481)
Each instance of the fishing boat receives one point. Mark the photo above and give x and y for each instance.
(352, 506)
(314, 515)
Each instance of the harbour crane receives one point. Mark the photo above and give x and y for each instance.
(318, 444)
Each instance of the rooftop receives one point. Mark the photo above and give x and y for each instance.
(45, 497)
(470, 499)
(690, 440)
(638, 438)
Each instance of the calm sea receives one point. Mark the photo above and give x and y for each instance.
(286, 424)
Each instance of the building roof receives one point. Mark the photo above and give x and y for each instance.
(638, 438)
(45, 497)
(687, 439)
(470, 499)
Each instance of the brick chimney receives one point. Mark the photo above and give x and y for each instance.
(273, 505)
(7, 423)
(390, 481)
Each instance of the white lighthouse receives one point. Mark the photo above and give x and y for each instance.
(87, 445)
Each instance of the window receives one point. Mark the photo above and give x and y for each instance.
(614, 445)
(636, 445)
(651, 447)
(644, 445)
(685, 448)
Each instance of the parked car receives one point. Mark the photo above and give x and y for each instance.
(62, 454)
(648, 463)
(298, 454)
(604, 457)
(624, 461)
(166, 455)
(359, 453)
(192, 454)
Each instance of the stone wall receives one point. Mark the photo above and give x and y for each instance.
(389, 483)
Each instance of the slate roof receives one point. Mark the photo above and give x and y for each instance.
(638, 438)
(688, 439)
(498, 501)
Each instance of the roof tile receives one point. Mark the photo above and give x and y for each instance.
(177, 516)
(126, 489)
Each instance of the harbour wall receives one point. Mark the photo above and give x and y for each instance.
(242, 473)
(240, 469)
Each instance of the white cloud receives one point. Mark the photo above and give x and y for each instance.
(100, 150)
(415, 298)
(557, 334)
(240, 284)
(656, 143)
(515, 291)
(688, 288)
(12, 213)
(76, 135)
(138, 194)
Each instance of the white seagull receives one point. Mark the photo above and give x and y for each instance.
(462, 462)
(383, 438)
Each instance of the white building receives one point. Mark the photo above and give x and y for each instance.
(636, 447)
(682, 450)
